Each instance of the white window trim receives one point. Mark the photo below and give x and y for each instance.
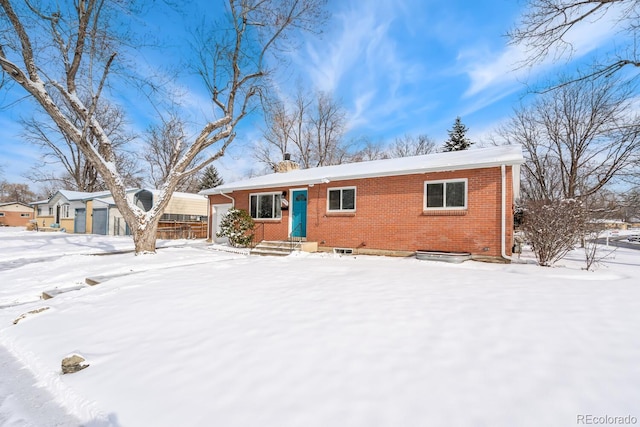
(65, 211)
(271, 193)
(444, 196)
(355, 199)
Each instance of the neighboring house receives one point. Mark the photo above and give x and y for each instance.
(62, 210)
(96, 213)
(183, 208)
(457, 201)
(15, 214)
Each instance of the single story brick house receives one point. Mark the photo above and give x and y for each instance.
(96, 213)
(456, 201)
(15, 214)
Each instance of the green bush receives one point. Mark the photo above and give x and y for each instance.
(237, 225)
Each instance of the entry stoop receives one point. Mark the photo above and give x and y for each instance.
(282, 247)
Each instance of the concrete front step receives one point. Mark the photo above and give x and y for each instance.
(283, 247)
(266, 252)
(274, 248)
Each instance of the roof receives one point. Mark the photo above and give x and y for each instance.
(455, 160)
(71, 195)
(79, 195)
(26, 205)
(108, 198)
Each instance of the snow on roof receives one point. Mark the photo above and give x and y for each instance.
(28, 205)
(79, 195)
(107, 198)
(437, 162)
(179, 194)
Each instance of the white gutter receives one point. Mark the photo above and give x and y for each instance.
(503, 219)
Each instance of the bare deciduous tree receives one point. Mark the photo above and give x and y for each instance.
(410, 145)
(554, 227)
(14, 192)
(327, 123)
(545, 27)
(370, 151)
(165, 146)
(58, 150)
(284, 132)
(576, 139)
(69, 48)
(311, 129)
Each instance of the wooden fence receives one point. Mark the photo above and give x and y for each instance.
(182, 230)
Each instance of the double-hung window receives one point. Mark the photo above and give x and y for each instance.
(447, 194)
(65, 211)
(342, 199)
(265, 205)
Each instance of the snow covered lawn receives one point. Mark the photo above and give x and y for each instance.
(197, 337)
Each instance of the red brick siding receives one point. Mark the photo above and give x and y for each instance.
(15, 219)
(389, 215)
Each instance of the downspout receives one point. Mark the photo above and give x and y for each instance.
(209, 218)
(503, 211)
(233, 201)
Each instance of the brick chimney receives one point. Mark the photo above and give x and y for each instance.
(286, 165)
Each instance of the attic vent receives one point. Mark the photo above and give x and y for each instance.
(342, 251)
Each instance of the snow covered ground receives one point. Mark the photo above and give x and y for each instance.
(194, 336)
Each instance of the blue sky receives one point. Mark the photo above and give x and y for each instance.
(398, 66)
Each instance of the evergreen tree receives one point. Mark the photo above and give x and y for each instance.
(210, 178)
(457, 137)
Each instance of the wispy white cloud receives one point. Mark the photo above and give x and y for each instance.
(497, 74)
(361, 61)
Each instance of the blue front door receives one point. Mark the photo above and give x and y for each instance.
(299, 213)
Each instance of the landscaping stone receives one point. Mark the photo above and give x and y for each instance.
(73, 364)
(36, 311)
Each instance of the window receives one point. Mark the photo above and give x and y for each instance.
(265, 206)
(39, 211)
(1, 214)
(25, 215)
(450, 194)
(50, 210)
(65, 211)
(342, 199)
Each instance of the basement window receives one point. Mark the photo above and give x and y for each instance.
(446, 194)
(342, 251)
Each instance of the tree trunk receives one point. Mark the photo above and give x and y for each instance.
(144, 237)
